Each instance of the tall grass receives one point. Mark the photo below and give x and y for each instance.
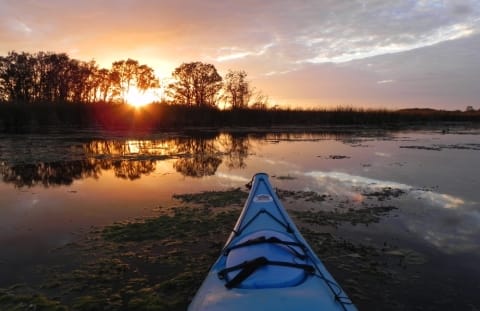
(158, 116)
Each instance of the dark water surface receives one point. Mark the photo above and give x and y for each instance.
(54, 188)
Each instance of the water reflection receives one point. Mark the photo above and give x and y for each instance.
(202, 156)
(132, 169)
(448, 222)
(349, 185)
(193, 156)
(48, 174)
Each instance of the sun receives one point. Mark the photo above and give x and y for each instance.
(138, 98)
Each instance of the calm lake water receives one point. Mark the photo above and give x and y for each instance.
(55, 187)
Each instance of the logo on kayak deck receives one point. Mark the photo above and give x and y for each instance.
(262, 198)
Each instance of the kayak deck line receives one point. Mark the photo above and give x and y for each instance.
(275, 240)
(266, 263)
(262, 211)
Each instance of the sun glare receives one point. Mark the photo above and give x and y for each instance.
(137, 98)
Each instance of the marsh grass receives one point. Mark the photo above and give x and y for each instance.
(40, 117)
(365, 216)
(307, 196)
(183, 222)
(214, 198)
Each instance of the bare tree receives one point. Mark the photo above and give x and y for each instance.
(260, 100)
(237, 90)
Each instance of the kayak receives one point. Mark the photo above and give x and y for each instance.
(266, 264)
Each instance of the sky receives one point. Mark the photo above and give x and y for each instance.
(301, 53)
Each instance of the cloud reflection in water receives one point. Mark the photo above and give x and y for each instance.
(343, 183)
(446, 222)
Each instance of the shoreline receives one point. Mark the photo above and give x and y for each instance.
(164, 117)
(445, 127)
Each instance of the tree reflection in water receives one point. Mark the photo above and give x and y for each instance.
(194, 156)
(236, 151)
(201, 156)
(131, 169)
(49, 174)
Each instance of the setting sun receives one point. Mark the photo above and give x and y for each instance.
(138, 98)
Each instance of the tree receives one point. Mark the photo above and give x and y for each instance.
(16, 77)
(237, 90)
(130, 73)
(86, 82)
(105, 81)
(55, 80)
(4, 94)
(196, 84)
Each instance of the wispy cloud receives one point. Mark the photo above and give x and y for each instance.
(385, 81)
(19, 26)
(237, 53)
(347, 49)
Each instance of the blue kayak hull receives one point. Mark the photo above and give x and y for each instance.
(266, 264)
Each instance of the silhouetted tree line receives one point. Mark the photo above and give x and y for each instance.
(46, 77)
(56, 78)
(45, 90)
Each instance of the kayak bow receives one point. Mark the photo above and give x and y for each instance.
(266, 264)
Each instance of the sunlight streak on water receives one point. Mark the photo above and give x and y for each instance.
(232, 177)
(133, 146)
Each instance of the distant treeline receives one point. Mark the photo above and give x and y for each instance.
(44, 90)
(164, 116)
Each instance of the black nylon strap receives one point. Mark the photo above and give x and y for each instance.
(248, 268)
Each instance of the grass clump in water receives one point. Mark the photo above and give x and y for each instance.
(214, 198)
(308, 196)
(184, 222)
(353, 216)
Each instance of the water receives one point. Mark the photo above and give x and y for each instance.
(54, 188)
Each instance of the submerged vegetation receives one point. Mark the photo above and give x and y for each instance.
(155, 264)
(182, 222)
(158, 263)
(214, 198)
